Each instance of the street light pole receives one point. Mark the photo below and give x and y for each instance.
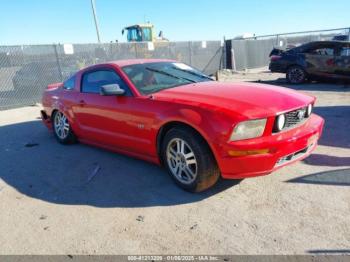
(95, 19)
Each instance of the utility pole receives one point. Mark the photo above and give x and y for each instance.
(95, 19)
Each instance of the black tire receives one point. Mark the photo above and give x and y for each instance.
(70, 138)
(296, 75)
(207, 171)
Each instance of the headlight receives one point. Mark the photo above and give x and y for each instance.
(248, 129)
(308, 110)
(280, 122)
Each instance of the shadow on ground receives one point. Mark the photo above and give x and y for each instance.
(33, 163)
(333, 177)
(337, 123)
(326, 160)
(329, 251)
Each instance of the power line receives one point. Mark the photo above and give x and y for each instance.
(95, 19)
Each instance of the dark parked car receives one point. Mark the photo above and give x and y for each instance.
(313, 61)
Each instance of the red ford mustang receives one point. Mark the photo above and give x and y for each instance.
(168, 113)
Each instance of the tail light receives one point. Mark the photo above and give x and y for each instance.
(275, 57)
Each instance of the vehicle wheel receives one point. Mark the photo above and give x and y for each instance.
(189, 160)
(296, 75)
(62, 129)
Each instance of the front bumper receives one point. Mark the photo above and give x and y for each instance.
(283, 149)
(46, 119)
(277, 67)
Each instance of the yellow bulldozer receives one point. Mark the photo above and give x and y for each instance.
(143, 33)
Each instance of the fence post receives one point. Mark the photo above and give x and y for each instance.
(228, 54)
(223, 63)
(135, 45)
(58, 62)
(190, 51)
(233, 59)
(169, 52)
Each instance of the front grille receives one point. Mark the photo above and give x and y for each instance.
(293, 118)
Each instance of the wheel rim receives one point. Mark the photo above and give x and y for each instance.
(61, 125)
(181, 161)
(296, 75)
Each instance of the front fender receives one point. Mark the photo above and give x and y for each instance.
(214, 127)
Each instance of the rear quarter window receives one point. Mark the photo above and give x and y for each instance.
(69, 84)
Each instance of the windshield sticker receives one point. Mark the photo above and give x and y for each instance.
(182, 66)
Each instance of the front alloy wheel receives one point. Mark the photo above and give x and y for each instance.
(181, 161)
(189, 159)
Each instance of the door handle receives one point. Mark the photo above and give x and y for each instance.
(82, 103)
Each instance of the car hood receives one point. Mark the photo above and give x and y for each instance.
(247, 99)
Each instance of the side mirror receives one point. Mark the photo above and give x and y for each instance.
(111, 90)
(123, 32)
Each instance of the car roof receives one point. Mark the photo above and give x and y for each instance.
(326, 42)
(127, 62)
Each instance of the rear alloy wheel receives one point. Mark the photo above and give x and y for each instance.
(189, 160)
(296, 75)
(62, 128)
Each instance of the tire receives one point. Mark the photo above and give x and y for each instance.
(296, 75)
(176, 149)
(62, 129)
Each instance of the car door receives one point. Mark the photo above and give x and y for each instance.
(342, 61)
(114, 121)
(320, 60)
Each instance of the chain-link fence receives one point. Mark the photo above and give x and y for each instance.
(25, 71)
(254, 52)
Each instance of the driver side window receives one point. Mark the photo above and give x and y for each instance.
(345, 51)
(94, 80)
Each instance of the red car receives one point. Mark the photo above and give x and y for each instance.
(168, 113)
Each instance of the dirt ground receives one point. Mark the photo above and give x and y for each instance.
(78, 199)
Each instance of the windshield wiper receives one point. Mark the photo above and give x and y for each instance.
(168, 74)
(193, 73)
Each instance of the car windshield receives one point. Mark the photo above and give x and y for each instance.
(149, 78)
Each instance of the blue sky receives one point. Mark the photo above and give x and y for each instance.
(71, 21)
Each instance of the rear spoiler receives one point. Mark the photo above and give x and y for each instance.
(276, 51)
(54, 85)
